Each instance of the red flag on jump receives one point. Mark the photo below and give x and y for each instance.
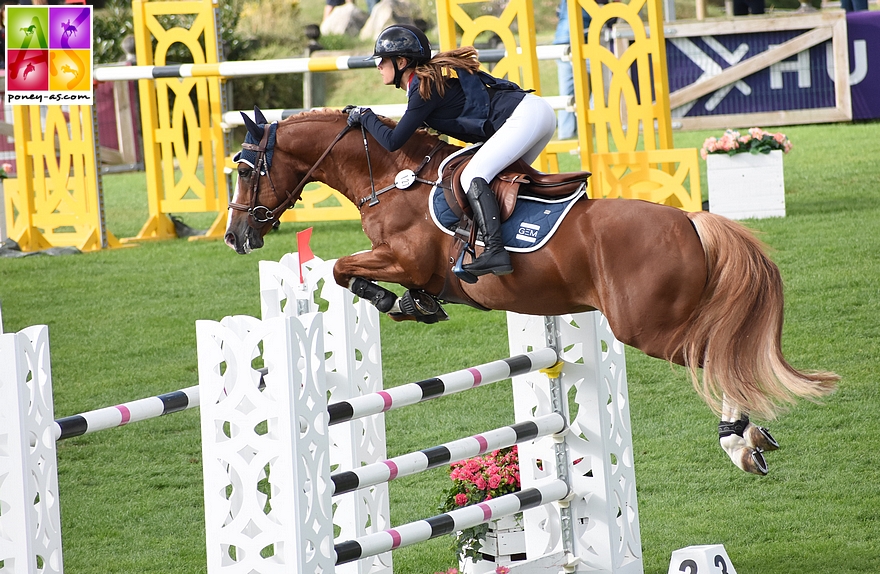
(302, 247)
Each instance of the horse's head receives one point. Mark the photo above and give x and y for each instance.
(271, 177)
(262, 193)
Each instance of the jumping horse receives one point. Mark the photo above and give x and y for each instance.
(695, 289)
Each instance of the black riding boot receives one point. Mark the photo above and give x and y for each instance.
(494, 259)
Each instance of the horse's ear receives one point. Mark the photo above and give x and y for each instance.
(252, 127)
(259, 117)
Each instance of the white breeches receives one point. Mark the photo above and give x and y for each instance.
(523, 136)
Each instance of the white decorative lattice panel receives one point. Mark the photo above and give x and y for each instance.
(30, 522)
(600, 453)
(354, 368)
(256, 519)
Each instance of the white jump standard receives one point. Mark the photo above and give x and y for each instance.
(587, 466)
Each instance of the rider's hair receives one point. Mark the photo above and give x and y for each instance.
(436, 71)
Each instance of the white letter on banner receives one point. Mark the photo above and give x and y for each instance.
(801, 66)
(859, 61)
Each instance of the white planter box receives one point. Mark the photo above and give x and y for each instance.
(505, 543)
(746, 185)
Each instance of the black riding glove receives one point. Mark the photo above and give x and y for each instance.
(354, 114)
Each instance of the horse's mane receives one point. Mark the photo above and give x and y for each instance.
(331, 114)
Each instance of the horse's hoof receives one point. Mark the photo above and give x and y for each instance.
(753, 462)
(422, 306)
(760, 438)
(745, 458)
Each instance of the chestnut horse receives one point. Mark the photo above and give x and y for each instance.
(693, 288)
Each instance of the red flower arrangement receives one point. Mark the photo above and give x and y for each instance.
(475, 480)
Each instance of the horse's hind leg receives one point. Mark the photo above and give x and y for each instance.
(744, 442)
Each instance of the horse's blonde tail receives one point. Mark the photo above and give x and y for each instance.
(735, 333)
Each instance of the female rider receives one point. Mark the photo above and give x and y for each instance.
(471, 106)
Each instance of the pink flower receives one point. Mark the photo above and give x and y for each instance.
(502, 570)
(7, 167)
(728, 141)
(755, 141)
(484, 477)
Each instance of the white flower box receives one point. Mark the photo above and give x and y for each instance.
(746, 185)
(505, 544)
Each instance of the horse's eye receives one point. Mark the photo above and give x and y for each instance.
(245, 171)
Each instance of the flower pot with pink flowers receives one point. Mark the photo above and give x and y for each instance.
(745, 175)
(496, 544)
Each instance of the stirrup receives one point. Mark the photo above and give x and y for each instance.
(499, 269)
(459, 269)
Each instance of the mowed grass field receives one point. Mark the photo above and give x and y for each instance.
(121, 326)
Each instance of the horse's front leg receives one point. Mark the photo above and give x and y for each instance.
(744, 442)
(380, 264)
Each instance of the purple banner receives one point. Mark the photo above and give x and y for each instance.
(803, 81)
(863, 30)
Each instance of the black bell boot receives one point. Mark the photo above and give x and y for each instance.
(494, 258)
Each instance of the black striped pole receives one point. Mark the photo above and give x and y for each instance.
(119, 415)
(415, 462)
(131, 412)
(443, 524)
(450, 383)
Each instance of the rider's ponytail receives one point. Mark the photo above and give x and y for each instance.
(440, 67)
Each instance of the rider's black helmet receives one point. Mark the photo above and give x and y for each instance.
(405, 41)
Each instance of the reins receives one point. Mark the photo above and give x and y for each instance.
(262, 215)
(262, 167)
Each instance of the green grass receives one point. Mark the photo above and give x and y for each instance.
(122, 327)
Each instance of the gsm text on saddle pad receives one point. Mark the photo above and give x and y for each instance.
(38, 98)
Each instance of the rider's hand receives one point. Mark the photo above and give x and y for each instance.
(354, 114)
